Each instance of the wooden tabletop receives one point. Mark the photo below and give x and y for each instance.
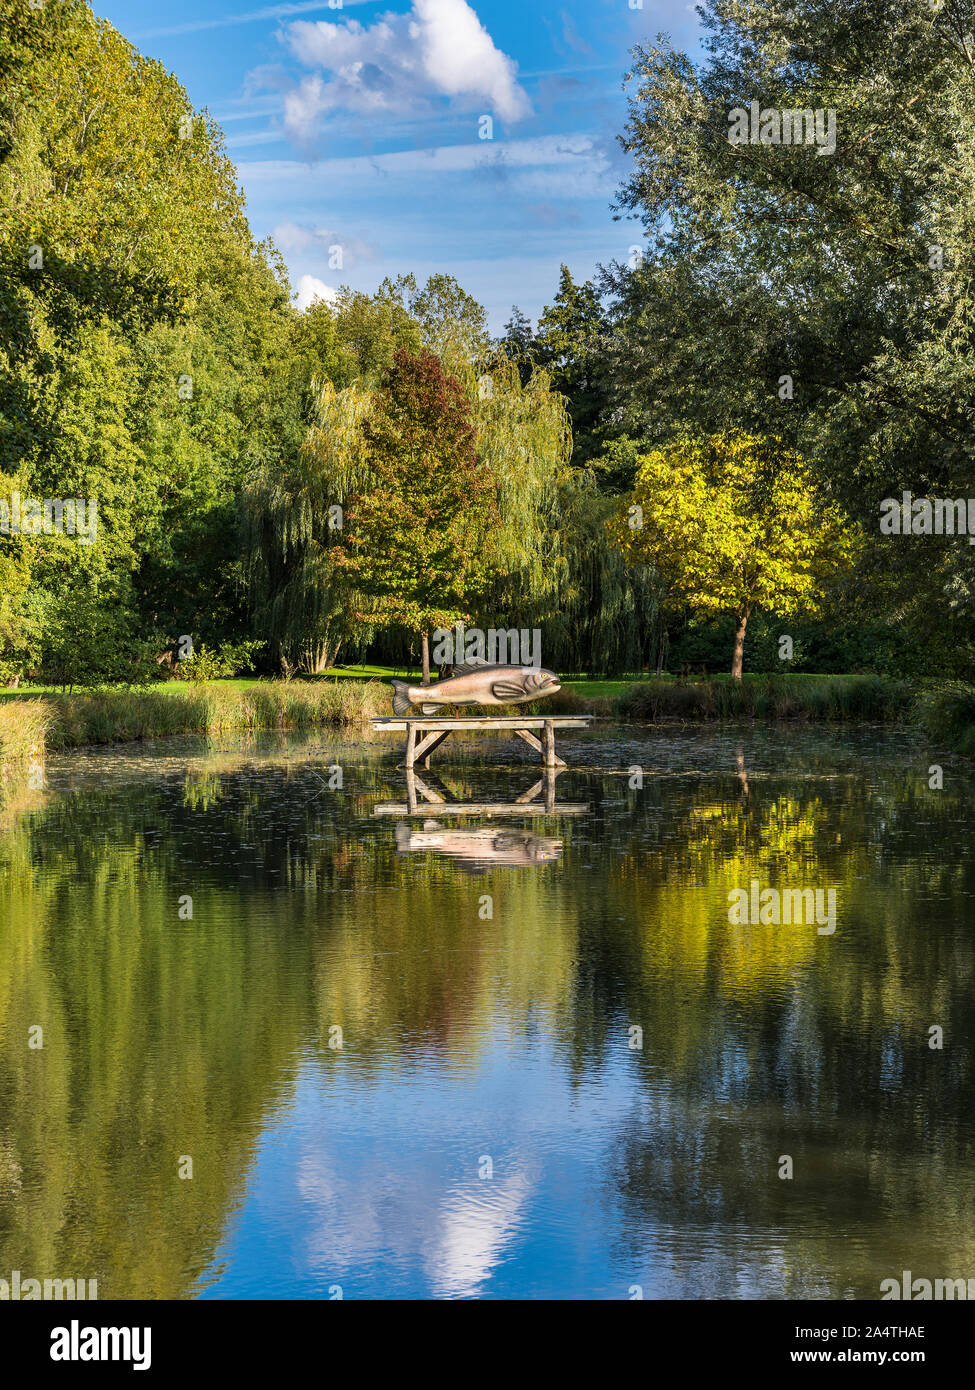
(487, 721)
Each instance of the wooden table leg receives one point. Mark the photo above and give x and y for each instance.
(550, 775)
(531, 740)
(549, 743)
(410, 747)
(427, 745)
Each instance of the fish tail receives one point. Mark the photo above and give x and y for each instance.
(401, 696)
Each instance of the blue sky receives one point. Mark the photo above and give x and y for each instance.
(359, 125)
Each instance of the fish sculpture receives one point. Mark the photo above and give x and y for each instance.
(480, 846)
(475, 684)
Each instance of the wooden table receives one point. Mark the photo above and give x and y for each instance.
(431, 732)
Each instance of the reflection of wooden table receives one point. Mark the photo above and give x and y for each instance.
(437, 795)
(431, 732)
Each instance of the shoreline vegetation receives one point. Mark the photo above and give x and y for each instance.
(33, 722)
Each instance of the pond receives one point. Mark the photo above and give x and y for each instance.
(262, 1034)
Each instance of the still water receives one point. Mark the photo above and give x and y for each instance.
(529, 1056)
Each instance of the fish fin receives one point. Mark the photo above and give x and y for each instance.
(401, 698)
(506, 691)
(467, 668)
(430, 709)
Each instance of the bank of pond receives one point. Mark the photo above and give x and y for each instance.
(32, 723)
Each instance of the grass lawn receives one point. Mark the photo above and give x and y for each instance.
(581, 685)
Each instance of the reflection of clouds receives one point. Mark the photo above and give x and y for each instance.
(475, 1229)
(398, 1218)
(346, 1226)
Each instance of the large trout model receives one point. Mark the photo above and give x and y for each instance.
(474, 684)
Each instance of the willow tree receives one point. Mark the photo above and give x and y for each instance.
(293, 513)
(524, 439)
(554, 564)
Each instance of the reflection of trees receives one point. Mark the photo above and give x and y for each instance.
(160, 1037)
(165, 1037)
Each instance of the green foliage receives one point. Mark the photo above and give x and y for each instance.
(229, 659)
(824, 298)
(731, 523)
(141, 327)
(413, 545)
(92, 636)
(570, 344)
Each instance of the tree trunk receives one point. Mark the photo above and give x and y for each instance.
(662, 652)
(738, 651)
(426, 658)
(319, 656)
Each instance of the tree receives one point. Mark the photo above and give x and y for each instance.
(569, 344)
(141, 327)
(518, 342)
(415, 533)
(451, 321)
(292, 511)
(20, 624)
(823, 297)
(732, 523)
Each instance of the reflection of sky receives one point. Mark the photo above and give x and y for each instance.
(372, 1183)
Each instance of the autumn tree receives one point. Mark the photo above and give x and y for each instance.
(732, 523)
(414, 541)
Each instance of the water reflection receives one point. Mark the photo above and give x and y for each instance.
(480, 846)
(430, 790)
(490, 1124)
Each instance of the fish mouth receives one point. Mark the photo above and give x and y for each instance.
(550, 684)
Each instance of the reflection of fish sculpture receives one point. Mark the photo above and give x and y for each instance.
(484, 845)
(474, 684)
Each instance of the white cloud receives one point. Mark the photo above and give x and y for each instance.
(297, 236)
(268, 12)
(398, 64)
(576, 155)
(311, 288)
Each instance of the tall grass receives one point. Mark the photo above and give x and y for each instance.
(946, 713)
(23, 732)
(866, 698)
(58, 721)
(123, 716)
